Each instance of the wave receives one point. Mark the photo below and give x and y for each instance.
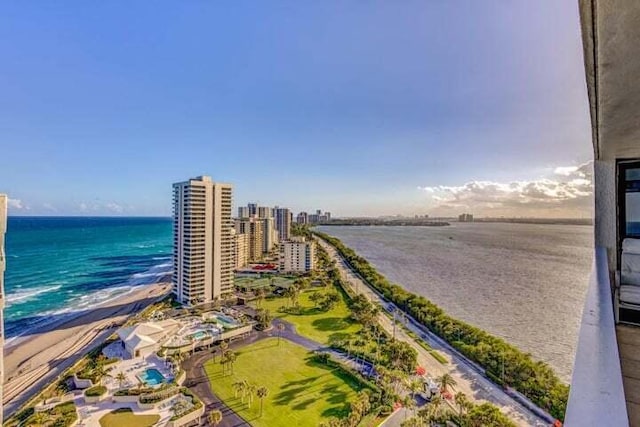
(23, 295)
(79, 304)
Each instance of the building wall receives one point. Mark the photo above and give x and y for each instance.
(203, 240)
(253, 227)
(297, 256)
(243, 212)
(302, 218)
(283, 223)
(242, 250)
(268, 237)
(265, 212)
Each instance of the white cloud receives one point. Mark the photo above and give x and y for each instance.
(568, 194)
(114, 207)
(83, 207)
(565, 170)
(49, 207)
(17, 204)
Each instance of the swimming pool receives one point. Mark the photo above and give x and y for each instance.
(200, 335)
(228, 322)
(151, 377)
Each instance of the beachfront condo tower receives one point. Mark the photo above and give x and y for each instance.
(203, 241)
(3, 228)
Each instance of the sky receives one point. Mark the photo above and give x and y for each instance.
(360, 108)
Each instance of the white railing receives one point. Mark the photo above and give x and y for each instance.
(597, 394)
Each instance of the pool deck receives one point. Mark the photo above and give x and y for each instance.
(134, 367)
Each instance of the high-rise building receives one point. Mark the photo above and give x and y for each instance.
(302, 218)
(265, 212)
(253, 209)
(3, 228)
(243, 212)
(242, 249)
(203, 242)
(254, 228)
(269, 234)
(297, 255)
(283, 223)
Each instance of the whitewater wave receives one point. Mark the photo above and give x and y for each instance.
(80, 304)
(27, 294)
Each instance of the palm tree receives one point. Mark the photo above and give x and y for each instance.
(280, 329)
(121, 378)
(262, 392)
(215, 417)
(237, 387)
(409, 403)
(445, 381)
(40, 418)
(231, 359)
(434, 407)
(100, 372)
(462, 402)
(251, 389)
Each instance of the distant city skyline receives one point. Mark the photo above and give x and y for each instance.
(357, 109)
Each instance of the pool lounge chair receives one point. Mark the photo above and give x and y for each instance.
(627, 298)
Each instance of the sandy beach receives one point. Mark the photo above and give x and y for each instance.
(33, 360)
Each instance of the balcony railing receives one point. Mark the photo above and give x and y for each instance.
(597, 394)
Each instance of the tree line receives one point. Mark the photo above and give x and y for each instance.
(504, 363)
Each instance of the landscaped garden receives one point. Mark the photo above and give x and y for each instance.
(124, 417)
(309, 318)
(301, 390)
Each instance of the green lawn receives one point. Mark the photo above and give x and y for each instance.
(302, 392)
(263, 282)
(125, 418)
(311, 322)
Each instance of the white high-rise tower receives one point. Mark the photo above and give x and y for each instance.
(203, 242)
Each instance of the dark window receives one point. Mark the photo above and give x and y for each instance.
(629, 199)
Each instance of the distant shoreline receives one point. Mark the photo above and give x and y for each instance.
(441, 223)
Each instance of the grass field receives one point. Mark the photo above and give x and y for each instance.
(312, 322)
(125, 418)
(301, 392)
(262, 282)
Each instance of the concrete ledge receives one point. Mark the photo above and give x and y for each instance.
(597, 397)
(82, 383)
(191, 416)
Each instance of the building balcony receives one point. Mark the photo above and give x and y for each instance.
(602, 390)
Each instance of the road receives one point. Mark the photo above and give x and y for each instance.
(477, 387)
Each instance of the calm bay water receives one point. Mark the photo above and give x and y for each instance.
(60, 266)
(523, 282)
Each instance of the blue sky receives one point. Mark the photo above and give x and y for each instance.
(359, 108)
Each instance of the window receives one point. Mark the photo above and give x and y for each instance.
(629, 199)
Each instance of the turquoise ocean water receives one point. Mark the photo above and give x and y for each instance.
(58, 267)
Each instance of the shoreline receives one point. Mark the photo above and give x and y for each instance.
(433, 317)
(33, 360)
(71, 315)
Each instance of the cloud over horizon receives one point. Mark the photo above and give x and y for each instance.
(568, 192)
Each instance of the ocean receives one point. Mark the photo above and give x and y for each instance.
(523, 282)
(58, 266)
